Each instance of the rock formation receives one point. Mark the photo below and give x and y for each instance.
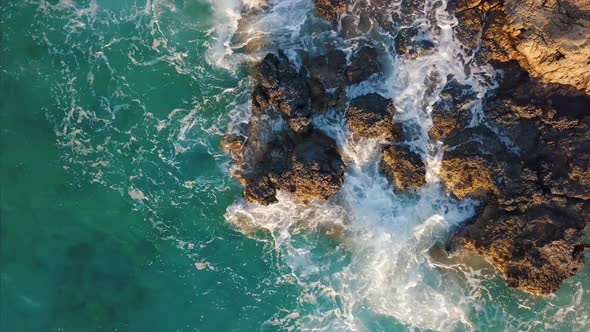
(548, 38)
(371, 116)
(298, 159)
(527, 162)
(403, 167)
(529, 167)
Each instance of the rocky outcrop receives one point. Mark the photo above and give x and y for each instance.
(327, 74)
(363, 65)
(403, 167)
(278, 149)
(535, 250)
(412, 43)
(451, 110)
(371, 116)
(528, 165)
(548, 38)
(286, 90)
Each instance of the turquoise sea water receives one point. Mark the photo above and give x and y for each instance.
(114, 189)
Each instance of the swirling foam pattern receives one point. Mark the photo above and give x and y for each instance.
(118, 211)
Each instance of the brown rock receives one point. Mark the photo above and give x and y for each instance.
(331, 9)
(315, 169)
(548, 38)
(468, 177)
(371, 116)
(451, 111)
(535, 250)
(403, 167)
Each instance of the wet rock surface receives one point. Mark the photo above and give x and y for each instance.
(403, 167)
(331, 9)
(371, 116)
(412, 42)
(363, 65)
(527, 161)
(452, 110)
(286, 90)
(278, 149)
(327, 79)
(547, 38)
(528, 165)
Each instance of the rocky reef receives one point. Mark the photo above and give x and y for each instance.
(527, 162)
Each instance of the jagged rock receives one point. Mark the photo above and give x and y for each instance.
(371, 116)
(331, 9)
(452, 110)
(327, 79)
(308, 166)
(363, 65)
(548, 38)
(286, 89)
(411, 42)
(268, 155)
(315, 169)
(532, 173)
(328, 69)
(403, 167)
(468, 177)
(535, 250)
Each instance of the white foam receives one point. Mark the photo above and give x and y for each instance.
(387, 235)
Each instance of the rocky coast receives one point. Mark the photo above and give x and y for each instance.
(527, 162)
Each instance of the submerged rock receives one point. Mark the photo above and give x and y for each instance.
(371, 116)
(403, 167)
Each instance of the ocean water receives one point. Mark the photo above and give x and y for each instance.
(118, 211)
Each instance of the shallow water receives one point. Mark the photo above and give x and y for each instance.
(119, 213)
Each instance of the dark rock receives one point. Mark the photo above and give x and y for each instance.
(315, 169)
(371, 116)
(403, 167)
(297, 159)
(286, 89)
(327, 80)
(328, 69)
(259, 188)
(451, 111)
(308, 166)
(533, 176)
(411, 42)
(535, 250)
(363, 65)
